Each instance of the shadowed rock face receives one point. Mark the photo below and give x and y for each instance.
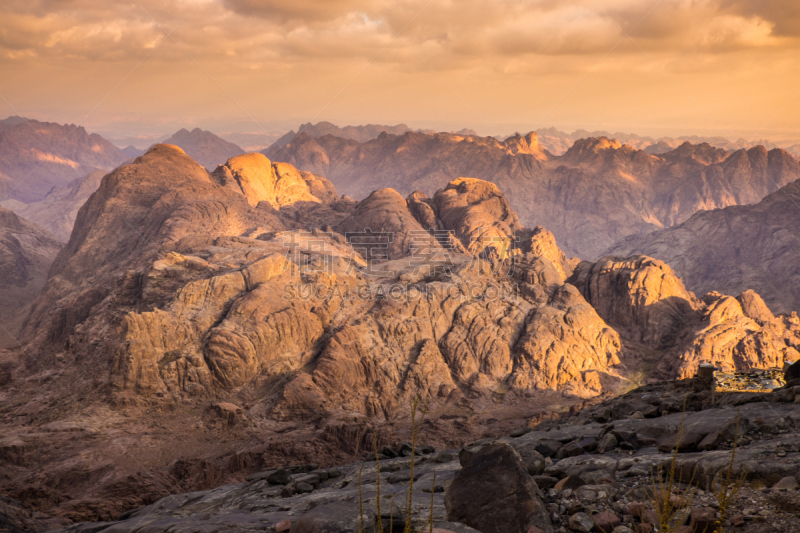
(735, 249)
(236, 297)
(26, 252)
(596, 194)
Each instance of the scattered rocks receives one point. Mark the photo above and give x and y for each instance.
(581, 522)
(787, 483)
(606, 521)
(570, 482)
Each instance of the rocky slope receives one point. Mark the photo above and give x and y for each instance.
(595, 194)
(37, 156)
(26, 253)
(204, 147)
(735, 249)
(199, 326)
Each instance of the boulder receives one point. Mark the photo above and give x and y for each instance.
(494, 493)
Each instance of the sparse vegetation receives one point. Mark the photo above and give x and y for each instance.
(670, 497)
(728, 487)
(377, 526)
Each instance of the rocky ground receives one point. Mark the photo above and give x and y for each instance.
(596, 469)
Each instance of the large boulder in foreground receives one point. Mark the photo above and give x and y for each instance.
(494, 493)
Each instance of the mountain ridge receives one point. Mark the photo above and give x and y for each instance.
(596, 194)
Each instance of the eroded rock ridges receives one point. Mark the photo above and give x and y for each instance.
(202, 284)
(237, 305)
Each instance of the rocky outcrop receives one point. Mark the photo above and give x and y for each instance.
(37, 156)
(480, 217)
(382, 226)
(737, 248)
(594, 195)
(204, 147)
(647, 303)
(277, 184)
(26, 253)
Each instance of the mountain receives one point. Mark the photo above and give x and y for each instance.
(734, 249)
(132, 151)
(357, 133)
(57, 211)
(26, 253)
(205, 147)
(199, 327)
(558, 142)
(37, 156)
(594, 195)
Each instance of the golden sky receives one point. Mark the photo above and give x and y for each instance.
(669, 67)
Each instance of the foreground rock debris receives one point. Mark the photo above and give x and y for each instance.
(200, 327)
(485, 486)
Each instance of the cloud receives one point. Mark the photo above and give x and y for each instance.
(783, 15)
(463, 32)
(304, 49)
(299, 10)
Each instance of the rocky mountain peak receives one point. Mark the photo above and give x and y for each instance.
(278, 184)
(527, 144)
(583, 148)
(204, 147)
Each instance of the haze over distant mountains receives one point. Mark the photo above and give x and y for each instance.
(595, 194)
(558, 142)
(36, 156)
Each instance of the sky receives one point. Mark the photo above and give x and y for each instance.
(653, 67)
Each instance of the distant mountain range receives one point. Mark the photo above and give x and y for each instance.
(558, 142)
(595, 194)
(356, 133)
(748, 246)
(37, 156)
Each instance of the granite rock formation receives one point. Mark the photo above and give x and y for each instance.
(254, 314)
(648, 304)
